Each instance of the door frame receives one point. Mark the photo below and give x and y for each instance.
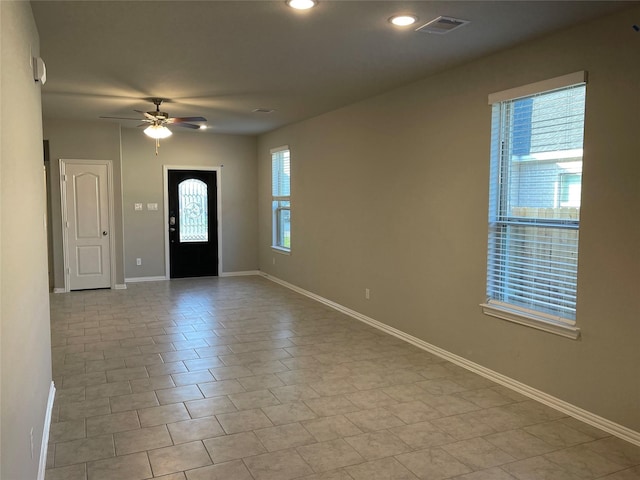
(63, 203)
(165, 175)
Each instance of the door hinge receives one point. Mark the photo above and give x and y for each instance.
(64, 178)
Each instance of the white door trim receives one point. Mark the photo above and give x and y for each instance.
(165, 174)
(63, 202)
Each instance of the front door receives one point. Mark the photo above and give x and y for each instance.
(86, 201)
(192, 223)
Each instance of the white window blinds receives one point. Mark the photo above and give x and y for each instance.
(534, 211)
(281, 197)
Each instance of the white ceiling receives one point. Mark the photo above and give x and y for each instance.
(223, 59)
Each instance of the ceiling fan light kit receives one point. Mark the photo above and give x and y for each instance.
(158, 121)
(157, 131)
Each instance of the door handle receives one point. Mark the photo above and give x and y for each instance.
(104, 233)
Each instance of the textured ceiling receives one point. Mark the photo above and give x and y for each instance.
(223, 59)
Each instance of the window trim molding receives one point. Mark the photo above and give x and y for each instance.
(531, 319)
(276, 198)
(505, 311)
(539, 87)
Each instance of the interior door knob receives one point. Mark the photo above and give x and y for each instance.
(104, 233)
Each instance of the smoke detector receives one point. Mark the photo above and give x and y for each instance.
(442, 25)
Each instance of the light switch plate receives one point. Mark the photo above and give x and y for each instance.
(137, 206)
(152, 206)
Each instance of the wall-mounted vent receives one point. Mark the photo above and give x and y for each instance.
(442, 25)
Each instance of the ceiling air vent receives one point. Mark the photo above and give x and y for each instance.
(442, 25)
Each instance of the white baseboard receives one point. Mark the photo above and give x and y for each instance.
(120, 286)
(578, 413)
(59, 290)
(145, 279)
(45, 433)
(240, 274)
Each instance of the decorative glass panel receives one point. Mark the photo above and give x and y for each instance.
(194, 215)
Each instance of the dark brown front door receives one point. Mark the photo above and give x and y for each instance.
(193, 223)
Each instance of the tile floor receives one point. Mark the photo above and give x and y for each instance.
(240, 378)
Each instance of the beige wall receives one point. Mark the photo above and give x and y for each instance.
(25, 346)
(391, 194)
(85, 141)
(142, 173)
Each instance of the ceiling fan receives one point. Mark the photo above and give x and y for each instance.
(158, 121)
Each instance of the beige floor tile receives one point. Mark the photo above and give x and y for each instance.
(84, 450)
(281, 465)
(253, 399)
(231, 447)
(142, 440)
(107, 390)
(88, 408)
(616, 450)
(583, 462)
(71, 472)
(235, 470)
(243, 421)
(377, 445)
(179, 394)
(151, 383)
(192, 378)
(133, 401)
(383, 469)
(327, 406)
(333, 475)
(288, 413)
(519, 444)
(132, 467)
(331, 428)
(65, 431)
(495, 473)
(210, 406)
(293, 393)
(221, 387)
(112, 423)
(432, 464)
(374, 419)
(478, 453)
(178, 458)
(537, 468)
(422, 435)
(558, 434)
(284, 436)
(198, 429)
(329, 455)
(163, 414)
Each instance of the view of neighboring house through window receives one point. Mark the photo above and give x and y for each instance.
(534, 211)
(281, 197)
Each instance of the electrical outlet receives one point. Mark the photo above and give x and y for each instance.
(274, 260)
(366, 293)
(138, 261)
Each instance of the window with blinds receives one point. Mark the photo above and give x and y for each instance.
(281, 197)
(534, 211)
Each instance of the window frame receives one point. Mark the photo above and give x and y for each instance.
(499, 222)
(279, 203)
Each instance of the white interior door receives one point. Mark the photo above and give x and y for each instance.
(87, 223)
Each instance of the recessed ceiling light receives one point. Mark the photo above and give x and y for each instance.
(403, 20)
(263, 110)
(302, 4)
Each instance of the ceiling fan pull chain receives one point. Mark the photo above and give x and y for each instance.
(157, 145)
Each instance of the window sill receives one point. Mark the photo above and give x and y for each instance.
(531, 320)
(282, 250)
